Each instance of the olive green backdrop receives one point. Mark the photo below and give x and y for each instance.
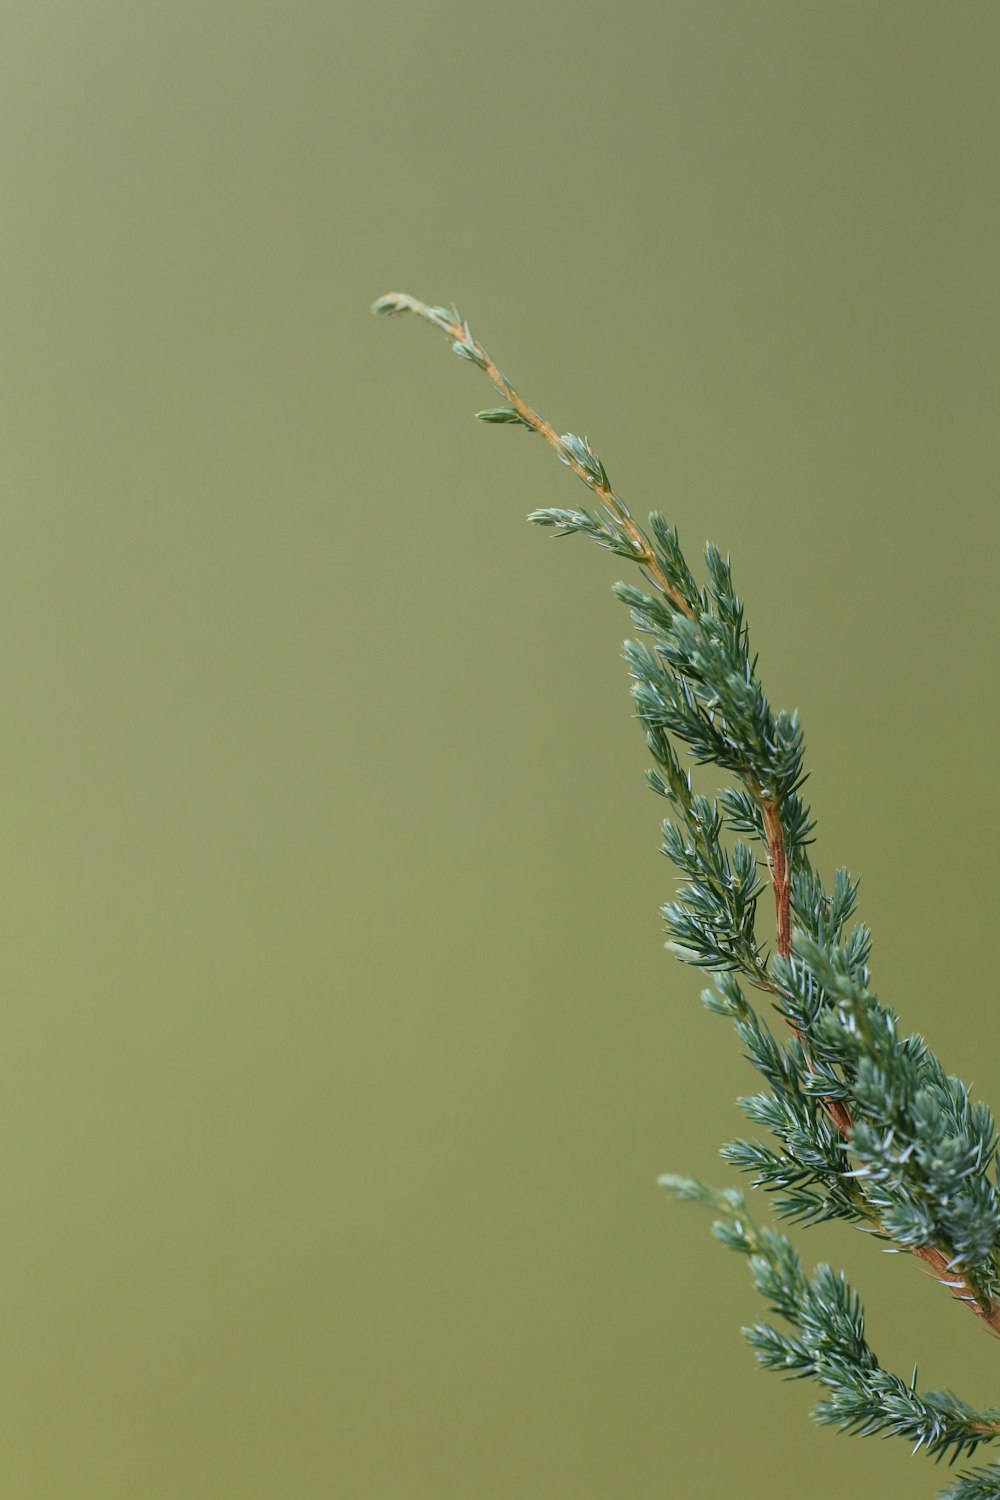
(338, 1050)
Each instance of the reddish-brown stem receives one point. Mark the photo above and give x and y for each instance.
(938, 1267)
(777, 860)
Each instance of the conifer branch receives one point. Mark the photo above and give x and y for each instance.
(868, 1125)
(828, 1344)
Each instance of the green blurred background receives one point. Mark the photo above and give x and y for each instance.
(339, 1053)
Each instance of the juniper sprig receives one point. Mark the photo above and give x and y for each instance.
(865, 1123)
(828, 1343)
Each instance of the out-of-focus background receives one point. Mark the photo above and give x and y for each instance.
(338, 1049)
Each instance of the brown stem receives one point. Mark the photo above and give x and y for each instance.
(938, 1267)
(777, 860)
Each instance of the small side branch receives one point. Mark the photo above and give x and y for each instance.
(469, 348)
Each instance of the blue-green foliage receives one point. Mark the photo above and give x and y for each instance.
(865, 1124)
